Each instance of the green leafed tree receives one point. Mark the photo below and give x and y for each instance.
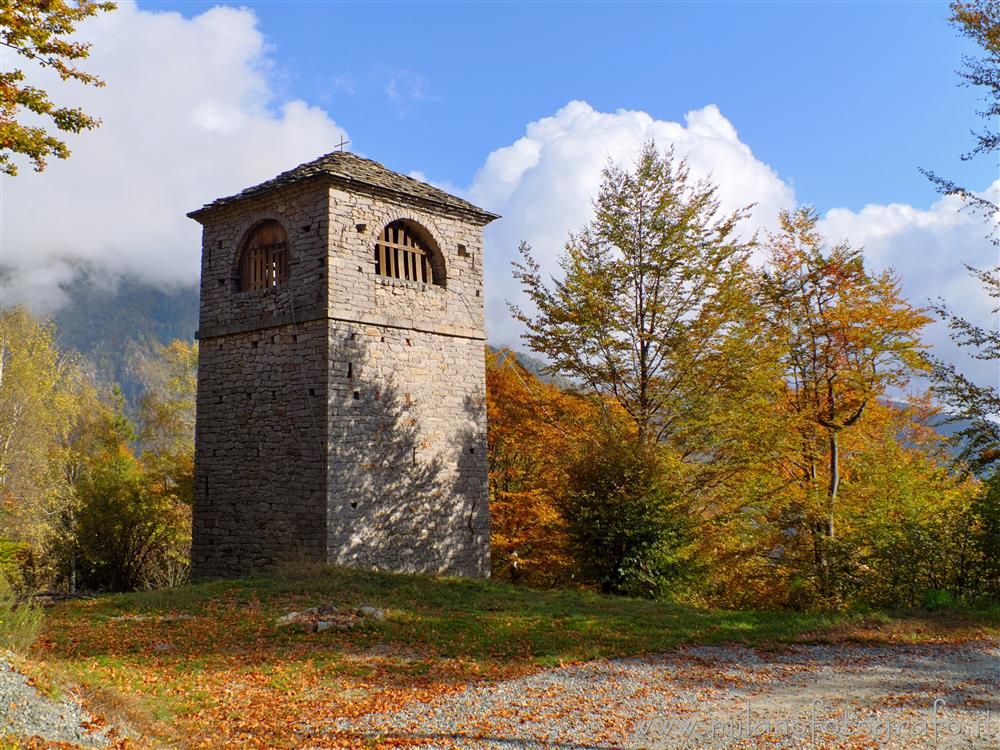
(653, 292)
(41, 32)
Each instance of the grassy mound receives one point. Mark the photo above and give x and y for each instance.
(206, 665)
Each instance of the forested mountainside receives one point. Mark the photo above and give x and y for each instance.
(110, 327)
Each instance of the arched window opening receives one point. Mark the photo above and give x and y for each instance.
(264, 261)
(401, 254)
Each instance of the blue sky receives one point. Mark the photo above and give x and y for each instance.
(843, 100)
(518, 107)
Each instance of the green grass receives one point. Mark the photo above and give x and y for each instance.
(179, 664)
(19, 623)
(487, 620)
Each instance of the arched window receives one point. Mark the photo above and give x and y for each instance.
(264, 260)
(400, 253)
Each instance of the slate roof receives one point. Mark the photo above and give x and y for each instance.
(349, 170)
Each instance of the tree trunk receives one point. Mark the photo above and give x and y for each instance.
(831, 497)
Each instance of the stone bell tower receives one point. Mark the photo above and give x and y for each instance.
(341, 383)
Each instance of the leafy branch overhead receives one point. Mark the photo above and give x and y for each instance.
(974, 406)
(978, 21)
(41, 31)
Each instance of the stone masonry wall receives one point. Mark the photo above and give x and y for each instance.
(407, 451)
(302, 211)
(407, 445)
(260, 484)
(260, 435)
(341, 417)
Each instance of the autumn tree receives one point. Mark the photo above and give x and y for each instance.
(42, 394)
(905, 527)
(41, 32)
(848, 337)
(166, 415)
(125, 530)
(644, 311)
(534, 430)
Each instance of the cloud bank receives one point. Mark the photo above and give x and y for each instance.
(188, 115)
(544, 182)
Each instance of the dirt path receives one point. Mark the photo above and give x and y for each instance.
(898, 697)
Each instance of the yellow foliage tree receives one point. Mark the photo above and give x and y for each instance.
(534, 430)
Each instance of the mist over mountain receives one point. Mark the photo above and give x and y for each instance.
(112, 325)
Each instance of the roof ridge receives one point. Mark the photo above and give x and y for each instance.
(353, 168)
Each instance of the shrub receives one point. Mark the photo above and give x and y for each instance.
(986, 522)
(16, 563)
(19, 622)
(936, 599)
(126, 535)
(629, 532)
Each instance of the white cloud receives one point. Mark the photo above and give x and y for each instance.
(544, 183)
(188, 115)
(929, 250)
(406, 87)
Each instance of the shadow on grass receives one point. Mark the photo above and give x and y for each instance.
(483, 621)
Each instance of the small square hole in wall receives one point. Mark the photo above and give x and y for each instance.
(477, 292)
(222, 282)
(472, 450)
(408, 343)
(312, 391)
(220, 244)
(463, 251)
(306, 228)
(350, 369)
(382, 339)
(361, 227)
(357, 395)
(354, 504)
(254, 344)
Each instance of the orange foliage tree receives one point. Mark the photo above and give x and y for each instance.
(535, 429)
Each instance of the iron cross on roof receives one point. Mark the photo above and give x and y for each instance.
(340, 146)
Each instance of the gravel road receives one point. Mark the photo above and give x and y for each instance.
(899, 697)
(25, 712)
